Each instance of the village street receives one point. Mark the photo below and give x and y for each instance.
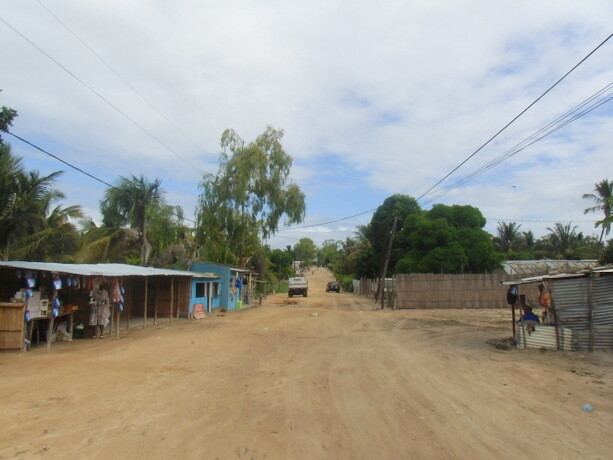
(319, 377)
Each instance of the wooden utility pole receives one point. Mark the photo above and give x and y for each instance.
(388, 252)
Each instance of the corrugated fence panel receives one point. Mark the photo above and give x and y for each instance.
(545, 337)
(603, 301)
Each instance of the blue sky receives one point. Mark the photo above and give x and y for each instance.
(374, 99)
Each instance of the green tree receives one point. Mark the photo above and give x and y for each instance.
(27, 204)
(57, 241)
(508, 236)
(379, 231)
(107, 244)
(328, 253)
(247, 198)
(305, 251)
(603, 199)
(7, 115)
(564, 241)
(446, 239)
(129, 204)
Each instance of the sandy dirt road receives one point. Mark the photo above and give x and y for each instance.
(317, 377)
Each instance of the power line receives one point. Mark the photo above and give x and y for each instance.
(517, 116)
(482, 146)
(562, 121)
(329, 222)
(541, 221)
(138, 93)
(82, 171)
(142, 128)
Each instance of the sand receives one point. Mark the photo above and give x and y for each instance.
(319, 377)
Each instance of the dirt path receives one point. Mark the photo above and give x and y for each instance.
(317, 377)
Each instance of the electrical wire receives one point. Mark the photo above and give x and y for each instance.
(481, 147)
(82, 171)
(516, 117)
(117, 109)
(562, 121)
(138, 93)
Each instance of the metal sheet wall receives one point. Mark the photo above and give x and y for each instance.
(571, 301)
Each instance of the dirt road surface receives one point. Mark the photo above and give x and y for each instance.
(317, 377)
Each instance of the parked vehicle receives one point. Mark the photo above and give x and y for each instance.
(297, 285)
(333, 286)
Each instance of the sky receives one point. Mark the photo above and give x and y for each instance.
(374, 98)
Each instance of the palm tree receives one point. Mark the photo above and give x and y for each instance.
(508, 236)
(58, 239)
(129, 204)
(603, 197)
(26, 211)
(105, 244)
(564, 240)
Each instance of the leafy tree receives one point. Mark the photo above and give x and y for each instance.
(446, 239)
(29, 197)
(564, 241)
(248, 196)
(6, 119)
(378, 232)
(508, 236)
(305, 251)
(328, 253)
(281, 263)
(57, 241)
(107, 244)
(129, 204)
(603, 197)
(606, 257)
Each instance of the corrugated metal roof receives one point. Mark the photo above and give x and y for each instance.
(546, 266)
(102, 269)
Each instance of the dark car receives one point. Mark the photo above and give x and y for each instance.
(333, 286)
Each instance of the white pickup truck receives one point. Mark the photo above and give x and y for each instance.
(297, 285)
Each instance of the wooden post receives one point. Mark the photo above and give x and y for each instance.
(388, 253)
(129, 305)
(179, 297)
(146, 299)
(172, 295)
(157, 300)
(71, 326)
(49, 332)
(112, 319)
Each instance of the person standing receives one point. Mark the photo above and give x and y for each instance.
(100, 311)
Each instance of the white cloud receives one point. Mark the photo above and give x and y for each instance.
(374, 99)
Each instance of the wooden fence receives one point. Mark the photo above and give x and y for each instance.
(450, 291)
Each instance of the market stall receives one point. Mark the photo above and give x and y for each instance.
(66, 301)
(567, 311)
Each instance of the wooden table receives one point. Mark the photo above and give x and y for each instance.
(51, 319)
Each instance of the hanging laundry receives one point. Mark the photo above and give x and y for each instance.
(114, 292)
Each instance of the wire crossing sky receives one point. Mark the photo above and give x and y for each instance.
(374, 99)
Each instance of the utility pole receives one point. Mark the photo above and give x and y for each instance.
(388, 252)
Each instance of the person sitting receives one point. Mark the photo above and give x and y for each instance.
(529, 316)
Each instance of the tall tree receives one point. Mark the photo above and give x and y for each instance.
(57, 241)
(508, 236)
(28, 203)
(305, 251)
(6, 119)
(564, 240)
(247, 198)
(603, 197)
(379, 231)
(129, 204)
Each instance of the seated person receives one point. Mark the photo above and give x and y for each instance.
(529, 316)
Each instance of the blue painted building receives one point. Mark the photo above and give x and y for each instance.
(229, 291)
